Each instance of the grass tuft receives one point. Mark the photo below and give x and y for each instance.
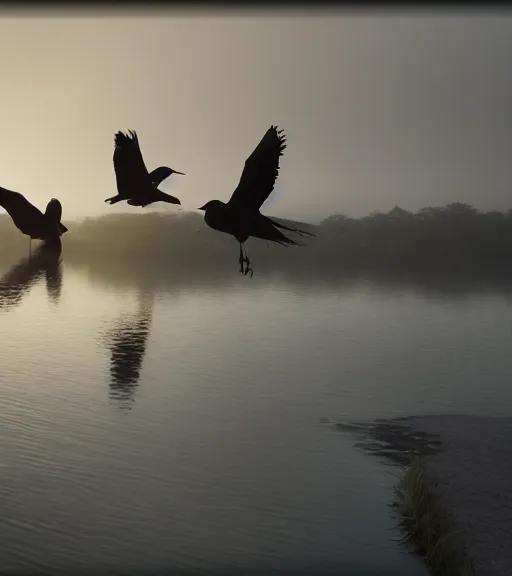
(426, 525)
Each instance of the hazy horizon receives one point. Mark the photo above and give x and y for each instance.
(379, 110)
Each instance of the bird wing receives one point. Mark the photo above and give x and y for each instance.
(53, 210)
(23, 213)
(53, 213)
(260, 171)
(131, 172)
(158, 175)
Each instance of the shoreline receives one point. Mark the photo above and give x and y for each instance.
(467, 462)
(427, 526)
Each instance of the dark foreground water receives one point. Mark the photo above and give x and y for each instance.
(177, 428)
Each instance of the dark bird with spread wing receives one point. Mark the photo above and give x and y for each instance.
(241, 216)
(31, 221)
(134, 183)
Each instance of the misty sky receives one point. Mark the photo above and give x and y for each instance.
(378, 110)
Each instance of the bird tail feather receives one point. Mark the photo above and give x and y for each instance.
(285, 241)
(297, 231)
(291, 242)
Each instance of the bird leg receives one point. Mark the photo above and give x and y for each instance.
(29, 248)
(244, 259)
(241, 259)
(248, 267)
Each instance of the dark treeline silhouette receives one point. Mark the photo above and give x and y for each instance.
(455, 236)
(454, 243)
(432, 238)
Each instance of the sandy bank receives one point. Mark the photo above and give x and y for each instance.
(470, 459)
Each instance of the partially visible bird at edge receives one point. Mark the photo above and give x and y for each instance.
(241, 216)
(134, 183)
(31, 221)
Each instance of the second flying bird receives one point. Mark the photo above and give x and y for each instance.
(134, 183)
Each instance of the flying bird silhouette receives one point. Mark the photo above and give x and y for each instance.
(31, 221)
(134, 183)
(241, 216)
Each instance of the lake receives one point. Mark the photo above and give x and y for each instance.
(176, 427)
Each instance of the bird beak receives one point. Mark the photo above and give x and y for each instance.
(202, 208)
(176, 172)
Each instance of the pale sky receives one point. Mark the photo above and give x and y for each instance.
(378, 110)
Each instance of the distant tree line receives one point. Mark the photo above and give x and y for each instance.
(456, 236)
(449, 239)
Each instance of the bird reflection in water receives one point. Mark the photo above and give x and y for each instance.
(53, 273)
(126, 341)
(45, 260)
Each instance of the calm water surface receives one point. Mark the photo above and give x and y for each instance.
(145, 430)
